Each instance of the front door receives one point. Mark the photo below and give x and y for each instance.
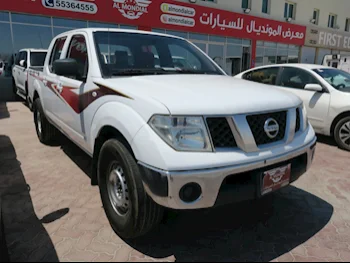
(50, 81)
(316, 103)
(70, 108)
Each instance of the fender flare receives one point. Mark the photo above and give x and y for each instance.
(118, 116)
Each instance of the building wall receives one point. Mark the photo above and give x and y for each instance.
(304, 9)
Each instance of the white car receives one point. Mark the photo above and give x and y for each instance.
(26, 59)
(324, 90)
(2, 68)
(164, 136)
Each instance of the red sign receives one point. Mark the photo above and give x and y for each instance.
(166, 14)
(276, 179)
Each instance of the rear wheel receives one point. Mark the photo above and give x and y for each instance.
(131, 212)
(14, 87)
(342, 133)
(45, 130)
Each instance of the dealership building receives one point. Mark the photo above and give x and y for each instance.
(237, 34)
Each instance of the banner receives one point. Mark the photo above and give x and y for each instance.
(167, 15)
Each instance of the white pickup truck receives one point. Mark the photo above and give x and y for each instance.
(166, 136)
(25, 60)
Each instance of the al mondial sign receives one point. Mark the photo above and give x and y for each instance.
(327, 38)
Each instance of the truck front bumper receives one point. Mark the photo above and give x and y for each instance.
(222, 185)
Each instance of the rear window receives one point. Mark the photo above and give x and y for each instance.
(37, 59)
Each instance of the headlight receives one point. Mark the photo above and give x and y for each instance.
(305, 117)
(182, 133)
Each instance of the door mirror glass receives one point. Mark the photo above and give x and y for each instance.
(314, 87)
(66, 67)
(23, 63)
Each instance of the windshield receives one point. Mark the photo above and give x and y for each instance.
(123, 54)
(339, 79)
(37, 59)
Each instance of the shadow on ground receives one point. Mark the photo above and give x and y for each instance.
(26, 237)
(6, 91)
(326, 140)
(254, 231)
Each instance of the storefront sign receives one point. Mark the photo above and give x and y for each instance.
(166, 14)
(325, 38)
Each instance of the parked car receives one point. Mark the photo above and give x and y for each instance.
(2, 68)
(166, 137)
(325, 92)
(337, 61)
(26, 59)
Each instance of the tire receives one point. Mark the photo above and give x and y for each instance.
(30, 106)
(139, 214)
(45, 130)
(342, 133)
(14, 87)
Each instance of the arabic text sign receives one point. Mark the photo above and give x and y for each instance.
(235, 24)
(327, 39)
(170, 15)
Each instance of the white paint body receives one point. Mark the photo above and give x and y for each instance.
(2, 68)
(174, 94)
(322, 108)
(20, 73)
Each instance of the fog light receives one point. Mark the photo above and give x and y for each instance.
(190, 192)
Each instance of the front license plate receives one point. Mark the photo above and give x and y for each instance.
(276, 179)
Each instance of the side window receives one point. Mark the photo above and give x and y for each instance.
(296, 78)
(18, 55)
(1, 65)
(265, 75)
(56, 51)
(21, 56)
(184, 59)
(78, 51)
(25, 56)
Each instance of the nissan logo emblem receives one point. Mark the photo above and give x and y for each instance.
(271, 128)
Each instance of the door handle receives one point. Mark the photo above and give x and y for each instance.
(59, 88)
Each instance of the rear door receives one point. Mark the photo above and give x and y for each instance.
(317, 103)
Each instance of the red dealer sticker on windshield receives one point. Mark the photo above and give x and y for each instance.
(276, 179)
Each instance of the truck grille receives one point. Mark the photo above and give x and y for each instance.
(221, 133)
(257, 122)
(298, 123)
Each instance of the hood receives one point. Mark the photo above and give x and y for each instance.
(204, 94)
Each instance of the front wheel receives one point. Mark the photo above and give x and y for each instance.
(342, 133)
(131, 212)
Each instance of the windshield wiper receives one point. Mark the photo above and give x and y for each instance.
(139, 72)
(156, 71)
(193, 71)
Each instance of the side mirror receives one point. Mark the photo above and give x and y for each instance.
(65, 67)
(23, 63)
(314, 87)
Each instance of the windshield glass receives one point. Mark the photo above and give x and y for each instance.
(123, 54)
(339, 79)
(37, 59)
